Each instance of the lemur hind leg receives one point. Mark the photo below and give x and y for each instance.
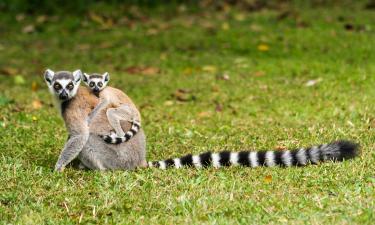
(123, 112)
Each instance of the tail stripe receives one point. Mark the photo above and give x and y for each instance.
(215, 160)
(261, 158)
(224, 158)
(336, 151)
(169, 163)
(197, 161)
(112, 139)
(294, 160)
(287, 158)
(270, 158)
(206, 159)
(301, 157)
(233, 158)
(243, 158)
(278, 158)
(177, 163)
(187, 160)
(253, 159)
(162, 165)
(314, 154)
(322, 156)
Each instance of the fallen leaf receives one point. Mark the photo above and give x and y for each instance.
(268, 179)
(20, 17)
(41, 19)
(163, 56)
(148, 70)
(28, 29)
(280, 147)
(223, 77)
(259, 73)
(218, 107)
(188, 71)
(37, 104)
(34, 86)
(239, 17)
(215, 88)
(349, 27)
(19, 80)
(263, 47)
(255, 28)
(209, 69)
(313, 82)
(225, 26)
(168, 103)
(83, 47)
(8, 71)
(183, 95)
(204, 114)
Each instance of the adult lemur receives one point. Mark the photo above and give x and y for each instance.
(86, 127)
(85, 141)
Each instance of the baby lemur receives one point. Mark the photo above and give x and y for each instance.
(120, 111)
(85, 126)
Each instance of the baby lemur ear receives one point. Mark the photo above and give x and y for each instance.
(77, 76)
(85, 77)
(106, 76)
(48, 76)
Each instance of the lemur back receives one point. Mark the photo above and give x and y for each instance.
(119, 107)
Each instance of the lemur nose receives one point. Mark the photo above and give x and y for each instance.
(96, 89)
(63, 95)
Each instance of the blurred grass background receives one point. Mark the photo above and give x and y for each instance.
(206, 75)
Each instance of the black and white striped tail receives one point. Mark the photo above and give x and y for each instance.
(113, 139)
(335, 151)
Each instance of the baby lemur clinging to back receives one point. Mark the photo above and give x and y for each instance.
(118, 109)
(85, 126)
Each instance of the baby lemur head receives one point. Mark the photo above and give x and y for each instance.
(95, 81)
(63, 84)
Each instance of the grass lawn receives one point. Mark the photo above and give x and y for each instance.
(204, 80)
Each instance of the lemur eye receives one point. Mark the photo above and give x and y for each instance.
(57, 86)
(92, 84)
(70, 86)
(100, 84)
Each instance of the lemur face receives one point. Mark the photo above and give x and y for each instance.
(96, 82)
(63, 84)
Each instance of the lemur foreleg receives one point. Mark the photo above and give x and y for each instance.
(72, 149)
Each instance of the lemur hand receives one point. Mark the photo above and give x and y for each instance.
(59, 168)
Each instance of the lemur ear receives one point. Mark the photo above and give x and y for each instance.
(85, 77)
(106, 76)
(77, 76)
(48, 76)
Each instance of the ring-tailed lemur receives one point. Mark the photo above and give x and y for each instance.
(77, 104)
(120, 111)
(335, 151)
(95, 154)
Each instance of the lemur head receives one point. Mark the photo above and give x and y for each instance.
(63, 84)
(95, 81)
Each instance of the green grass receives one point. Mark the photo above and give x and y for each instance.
(265, 104)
